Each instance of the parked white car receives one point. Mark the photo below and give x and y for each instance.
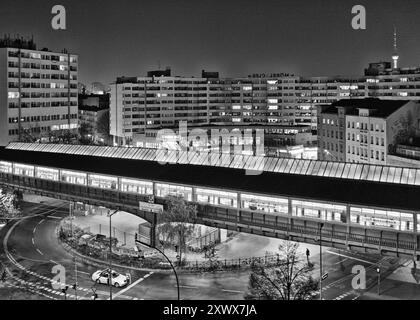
(102, 276)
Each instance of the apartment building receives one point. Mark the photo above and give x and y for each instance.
(161, 100)
(331, 132)
(372, 128)
(38, 91)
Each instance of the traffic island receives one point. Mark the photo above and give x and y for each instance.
(94, 250)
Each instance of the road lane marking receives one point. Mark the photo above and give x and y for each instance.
(33, 241)
(55, 217)
(187, 287)
(340, 261)
(39, 251)
(348, 257)
(232, 291)
(132, 285)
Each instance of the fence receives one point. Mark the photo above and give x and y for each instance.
(212, 237)
(133, 258)
(229, 264)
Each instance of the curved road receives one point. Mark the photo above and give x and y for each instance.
(31, 249)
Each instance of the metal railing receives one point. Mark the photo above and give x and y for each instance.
(130, 203)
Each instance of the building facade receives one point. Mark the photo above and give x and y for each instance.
(372, 128)
(161, 100)
(39, 91)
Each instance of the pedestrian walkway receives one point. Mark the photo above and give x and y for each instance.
(248, 245)
(405, 274)
(393, 290)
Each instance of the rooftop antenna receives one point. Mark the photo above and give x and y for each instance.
(395, 56)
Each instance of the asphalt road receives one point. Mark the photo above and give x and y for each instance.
(31, 250)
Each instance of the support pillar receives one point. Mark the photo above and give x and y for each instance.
(153, 231)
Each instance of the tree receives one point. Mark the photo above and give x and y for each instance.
(289, 280)
(210, 253)
(405, 130)
(176, 222)
(86, 133)
(9, 205)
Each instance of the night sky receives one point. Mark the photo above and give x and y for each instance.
(234, 37)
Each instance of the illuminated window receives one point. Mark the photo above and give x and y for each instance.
(47, 173)
(382, 219)
(136, 186)
(13, 95)
(24, 170)
(217, 197)
(6, 167)
(73, 177)
(320, 211)
(163, 190)
(103, 182)
(34, 55)
(264, 204)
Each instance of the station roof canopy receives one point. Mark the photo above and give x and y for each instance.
(364, 184)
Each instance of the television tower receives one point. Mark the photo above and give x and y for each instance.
(395, 56)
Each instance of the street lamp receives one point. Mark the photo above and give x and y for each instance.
(321, 225)
(110, 254)
(71, 214)
(167, 259)
(173, 268)
(378, 271)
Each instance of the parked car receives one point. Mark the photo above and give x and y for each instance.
(102, 276)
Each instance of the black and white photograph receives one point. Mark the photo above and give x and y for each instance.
(209, 154)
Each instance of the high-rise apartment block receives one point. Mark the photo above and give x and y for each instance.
(38, 91)
(161, 100)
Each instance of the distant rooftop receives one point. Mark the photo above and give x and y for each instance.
(384, 108)
(17, 42)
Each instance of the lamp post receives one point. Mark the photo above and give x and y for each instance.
(321, 225)
(173, 268)
(167, 259)
(110, 253)
(71, 214)
(378, 271)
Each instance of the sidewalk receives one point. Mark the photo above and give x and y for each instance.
(393, 290)
(248, 245)
(404, 274)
